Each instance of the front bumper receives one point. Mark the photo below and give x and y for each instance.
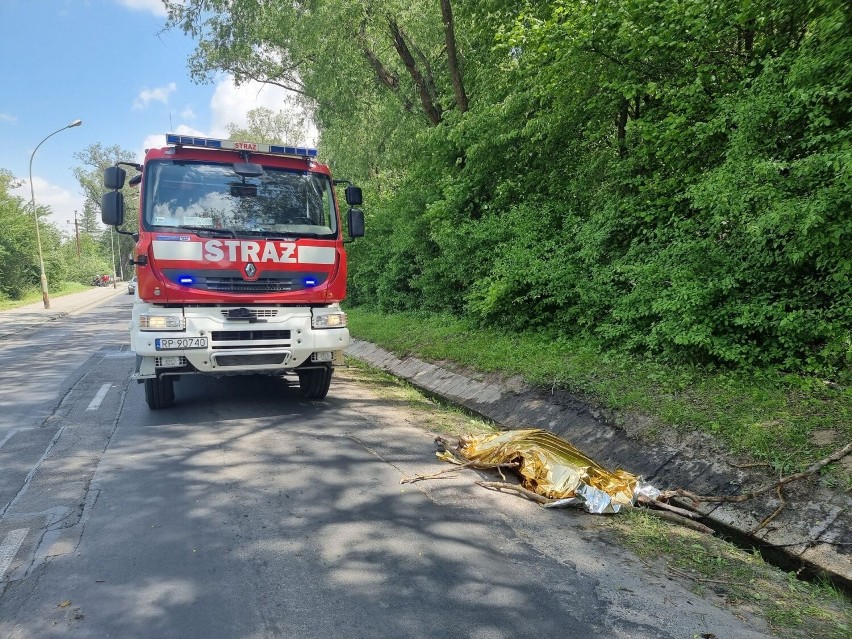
(263, 339)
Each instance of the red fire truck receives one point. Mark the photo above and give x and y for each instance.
(240, 263)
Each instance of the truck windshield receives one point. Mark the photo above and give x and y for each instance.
(199, 195)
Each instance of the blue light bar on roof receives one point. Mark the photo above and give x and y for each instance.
(234, 145)
(185, 140)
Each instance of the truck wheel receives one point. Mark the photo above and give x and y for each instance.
(314, 382)
(160, 392)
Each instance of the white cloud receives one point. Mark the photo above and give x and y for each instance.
(229, 105)
(158, 94)
(152, 6)
(62, 202)
(11, 119)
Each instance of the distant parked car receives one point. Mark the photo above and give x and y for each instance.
(131, 286)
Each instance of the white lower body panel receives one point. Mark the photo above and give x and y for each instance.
(270, 339)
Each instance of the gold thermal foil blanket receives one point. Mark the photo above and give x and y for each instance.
(548, 465)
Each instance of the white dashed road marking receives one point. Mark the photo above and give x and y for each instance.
(9, 548)
(96, 402)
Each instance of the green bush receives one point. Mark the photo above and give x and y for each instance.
(712, 225)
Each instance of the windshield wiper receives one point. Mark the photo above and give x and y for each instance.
(315, 236)
(285, 235)
(213, 232)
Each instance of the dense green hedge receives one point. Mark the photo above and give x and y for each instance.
(715, 224)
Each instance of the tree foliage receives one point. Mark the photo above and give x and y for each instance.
(114, 250)
(287, 126)
(666, 176)
(19, 269)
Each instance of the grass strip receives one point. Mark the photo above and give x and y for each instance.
(788, 421)
(742, 581)
(34, 295)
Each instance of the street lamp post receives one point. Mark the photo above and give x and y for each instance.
(44, 295)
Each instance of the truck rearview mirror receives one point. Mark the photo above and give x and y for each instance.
(112, 208)
(248, 169)
(355, 221)
(353, 195)
(114, 177)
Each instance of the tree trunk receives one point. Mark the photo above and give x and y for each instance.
(452, 56)
(433, 110)
(384, 76)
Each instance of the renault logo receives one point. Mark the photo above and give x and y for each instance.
(251, 269)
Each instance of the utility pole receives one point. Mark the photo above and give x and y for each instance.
(111, 235)
(77, 234)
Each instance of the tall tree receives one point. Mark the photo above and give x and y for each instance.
(95, 159)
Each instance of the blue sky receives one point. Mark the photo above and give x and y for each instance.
(108, 63)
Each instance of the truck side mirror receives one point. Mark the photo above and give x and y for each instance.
(355, 220)
(114, 177)
(353, 195)
(112, 208)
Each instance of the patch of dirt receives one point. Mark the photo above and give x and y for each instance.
(824, 437)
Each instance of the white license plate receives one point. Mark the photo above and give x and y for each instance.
(179, 343)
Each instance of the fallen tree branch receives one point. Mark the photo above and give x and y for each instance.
(653, 503)
(775, 512)
(669, 513)
(672, 516)
(678, 519)
(470, 464)
(416, 478)
(811, 470)
(540, 499)
(498, 485)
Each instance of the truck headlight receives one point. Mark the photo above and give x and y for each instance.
(328, 318)
(162, 323)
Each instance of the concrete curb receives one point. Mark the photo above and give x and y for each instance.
(813, 530)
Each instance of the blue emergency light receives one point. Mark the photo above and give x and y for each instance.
(235, 145)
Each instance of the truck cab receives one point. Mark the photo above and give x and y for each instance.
(240, 263)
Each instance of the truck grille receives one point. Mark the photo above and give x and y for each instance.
(253, 312)
(262, 285)
(248, 336)
(268, 359)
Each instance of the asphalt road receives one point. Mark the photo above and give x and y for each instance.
(246, 511)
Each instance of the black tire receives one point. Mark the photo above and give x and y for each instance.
(315, 382)
(160, 392)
